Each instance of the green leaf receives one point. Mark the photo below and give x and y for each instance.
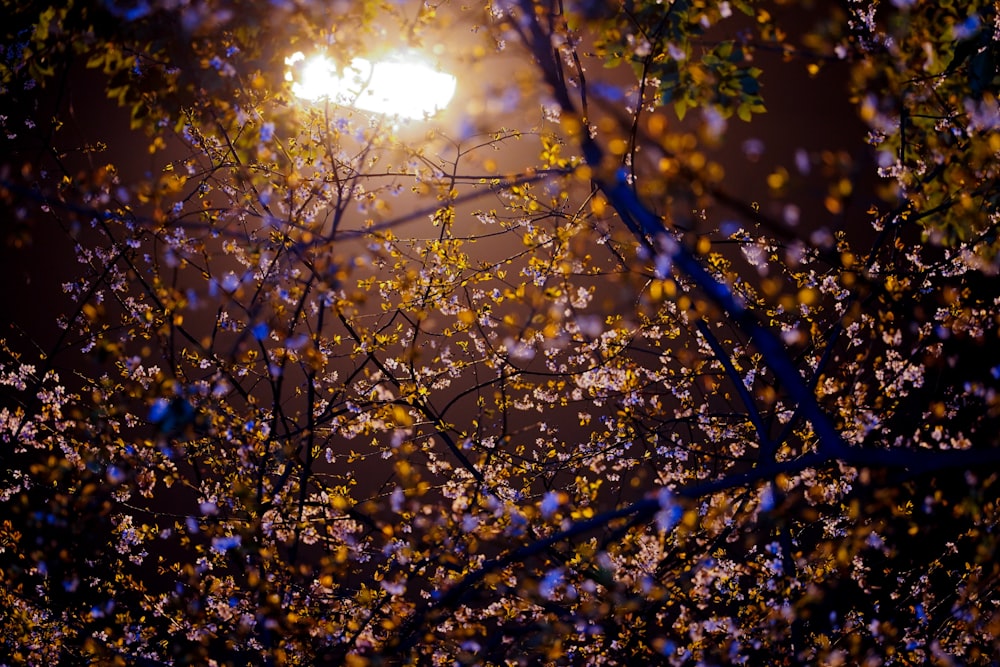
(96, 60)
(680, 108)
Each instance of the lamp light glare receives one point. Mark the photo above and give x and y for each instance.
(407, 89)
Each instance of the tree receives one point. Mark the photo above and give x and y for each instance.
(528, 382)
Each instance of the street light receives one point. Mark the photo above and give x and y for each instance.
(403, 86)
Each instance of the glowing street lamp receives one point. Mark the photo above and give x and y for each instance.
(407, 88)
